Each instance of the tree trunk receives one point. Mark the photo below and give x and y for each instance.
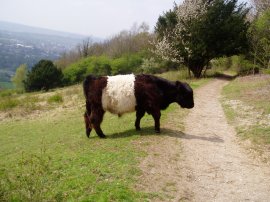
(197, 71)
(189, 74)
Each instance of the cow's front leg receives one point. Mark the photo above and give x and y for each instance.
(156, 115)
(139, 114)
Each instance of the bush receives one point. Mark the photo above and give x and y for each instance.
(222, 63)
(126, 64)
(43, 76)
(74, 74)
(149, 66)
(243, 66)
(99, 66)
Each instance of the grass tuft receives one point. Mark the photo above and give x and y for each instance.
(8, 103)
(57, 98)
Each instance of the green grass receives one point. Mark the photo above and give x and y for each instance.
(49, 157)
(258, 135)
(253, 92)
(57, 98)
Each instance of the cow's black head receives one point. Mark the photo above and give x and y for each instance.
(184, 95)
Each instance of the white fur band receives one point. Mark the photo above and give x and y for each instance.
(118, 97)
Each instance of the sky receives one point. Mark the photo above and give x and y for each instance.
(99, 18)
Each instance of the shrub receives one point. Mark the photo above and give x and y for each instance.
(43, 76)
(222, 63)
(74, 74)
(243, 66)
(126, 64)
(149, 66)
(100, 66)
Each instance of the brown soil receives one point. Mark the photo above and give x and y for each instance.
(206, 161)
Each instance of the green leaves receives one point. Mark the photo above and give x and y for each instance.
(259, 36)
(43, 76)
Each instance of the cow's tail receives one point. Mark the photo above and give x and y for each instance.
(86, 84)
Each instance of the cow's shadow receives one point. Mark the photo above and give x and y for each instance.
(149, 131)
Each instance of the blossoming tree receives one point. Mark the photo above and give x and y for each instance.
(197, 31)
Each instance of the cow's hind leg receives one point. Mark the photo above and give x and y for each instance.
(156, 115)
(96, 119)
(139, 114)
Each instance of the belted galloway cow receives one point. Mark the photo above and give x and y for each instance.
(128, 93)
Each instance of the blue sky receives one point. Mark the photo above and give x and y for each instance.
(100, 18)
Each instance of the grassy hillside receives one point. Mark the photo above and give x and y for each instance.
(45, 155)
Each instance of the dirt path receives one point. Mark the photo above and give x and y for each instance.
(205, 163)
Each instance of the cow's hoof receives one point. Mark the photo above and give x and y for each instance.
(138, 128)
(157, 131)
(103, 136)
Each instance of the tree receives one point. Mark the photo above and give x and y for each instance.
(166, 22)
(43, 76)
(84, 48)
(259, 36)
(205, 29)
(20, 76)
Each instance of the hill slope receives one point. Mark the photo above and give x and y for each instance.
(21, 44)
